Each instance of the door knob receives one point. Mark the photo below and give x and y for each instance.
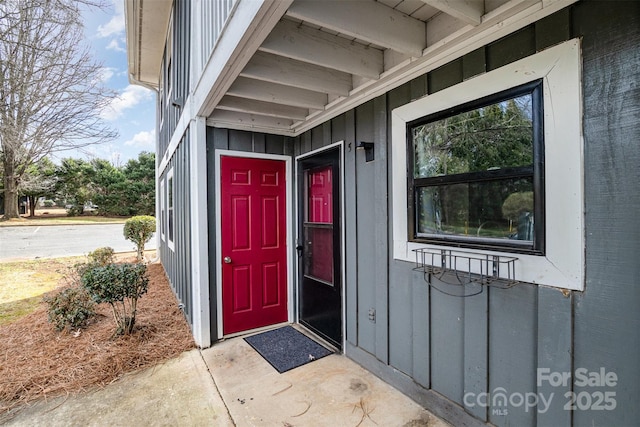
(227, 260)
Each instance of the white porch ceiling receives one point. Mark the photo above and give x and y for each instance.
(325, 57)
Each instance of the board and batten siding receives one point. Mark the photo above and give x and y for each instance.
(174, 76)
(177, 260)
(234, 140)
(436, 347)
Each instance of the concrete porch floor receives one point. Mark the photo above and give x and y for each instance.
(230, 384)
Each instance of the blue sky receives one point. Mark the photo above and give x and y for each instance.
(133, 112)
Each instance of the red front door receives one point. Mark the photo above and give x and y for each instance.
(254, 253)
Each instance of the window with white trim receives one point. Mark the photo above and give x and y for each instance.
(476, 173)
(170, 213)
(163, 211)
(545, 225)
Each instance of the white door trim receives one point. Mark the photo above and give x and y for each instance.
(289, 239)
(340, 145)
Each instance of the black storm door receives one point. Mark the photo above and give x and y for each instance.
(319, 245)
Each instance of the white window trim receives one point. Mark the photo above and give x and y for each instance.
(562, 266)
(163, 210)
(171, 242)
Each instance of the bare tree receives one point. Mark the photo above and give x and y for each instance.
(51, 92)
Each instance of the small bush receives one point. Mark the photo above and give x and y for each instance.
(139, 230)
(101, 256)
(48, 203)
(74, 210)
(119, 285)
(72, 307)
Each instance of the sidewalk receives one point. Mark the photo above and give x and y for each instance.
(230, 384)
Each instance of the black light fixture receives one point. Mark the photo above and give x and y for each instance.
(178, 102)
(368, 150)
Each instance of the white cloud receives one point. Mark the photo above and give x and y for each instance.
(116, 24)
(129, 98)
(106, 73)
(144, 139)
(115, 45)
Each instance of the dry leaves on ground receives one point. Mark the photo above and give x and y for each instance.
(38, 362)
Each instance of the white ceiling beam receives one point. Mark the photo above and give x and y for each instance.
(235, 120)
(365, 20)
(505, 20)
(320, 48)
(246, 28)
(252, 106)
(469, 11)
(277, 69)
(277, 93)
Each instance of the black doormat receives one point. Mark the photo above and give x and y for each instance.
(285, 348)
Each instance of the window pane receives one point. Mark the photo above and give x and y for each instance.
(319, 253)
(170, 224)
(496, 136)
(500, 209)
(320, 196)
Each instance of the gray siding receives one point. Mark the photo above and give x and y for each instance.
(176, 78)
(606, 316)
(175, 89)
(177, 261)
(438, 347)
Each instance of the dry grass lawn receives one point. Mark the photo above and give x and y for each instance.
(22, 284)
(38, 362)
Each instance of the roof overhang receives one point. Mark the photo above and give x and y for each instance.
(146, 24)
(319, 61)
(286, 66)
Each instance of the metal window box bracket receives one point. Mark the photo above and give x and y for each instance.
(465, 274)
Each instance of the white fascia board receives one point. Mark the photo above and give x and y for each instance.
(146, 25)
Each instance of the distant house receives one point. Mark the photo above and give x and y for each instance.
(445, 191)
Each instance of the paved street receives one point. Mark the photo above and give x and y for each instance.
(53, 241)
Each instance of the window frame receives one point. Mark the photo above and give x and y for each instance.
(560, 67)
(162, 210)
(535, 171)
(171, 219)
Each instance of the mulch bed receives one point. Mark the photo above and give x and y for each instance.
(38, 362)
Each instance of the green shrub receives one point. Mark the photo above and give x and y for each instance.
(119, 285)
(517, 203)
(48, 203)
(139, 230)
(101, 256)
(71, 307)
(74, 210)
